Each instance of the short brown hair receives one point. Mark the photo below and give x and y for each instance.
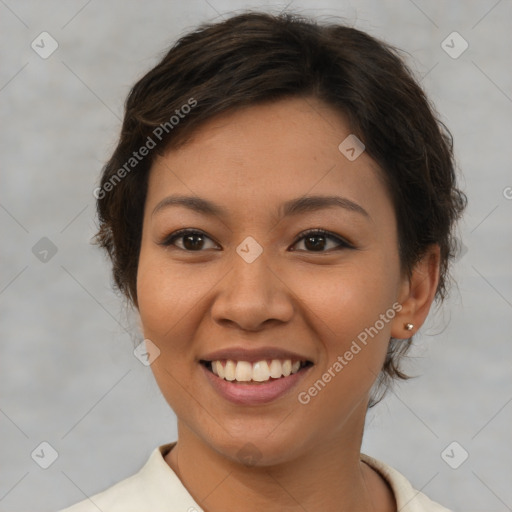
(256, 57)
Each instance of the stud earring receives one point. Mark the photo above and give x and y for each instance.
(408, 327)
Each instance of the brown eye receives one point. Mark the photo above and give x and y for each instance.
(318, 240)
(189, 240)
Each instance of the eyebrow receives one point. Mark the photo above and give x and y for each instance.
(289, 208)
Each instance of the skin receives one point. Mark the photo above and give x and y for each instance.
(315, 303)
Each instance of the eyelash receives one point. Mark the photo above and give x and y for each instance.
(343, 244)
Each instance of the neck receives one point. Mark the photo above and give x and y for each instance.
(328, 477)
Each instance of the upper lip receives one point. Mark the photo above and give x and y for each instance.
(253, 355)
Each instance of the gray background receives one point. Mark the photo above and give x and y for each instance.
(67, 371)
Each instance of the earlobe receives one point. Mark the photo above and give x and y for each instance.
(417, 294)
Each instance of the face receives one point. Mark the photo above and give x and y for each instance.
(258, 273)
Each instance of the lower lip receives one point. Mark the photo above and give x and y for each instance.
(254, 394)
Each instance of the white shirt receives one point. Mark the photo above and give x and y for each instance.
(157, 488)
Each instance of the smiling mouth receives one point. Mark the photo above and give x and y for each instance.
(257, 372)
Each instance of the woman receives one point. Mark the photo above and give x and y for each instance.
(280, 211)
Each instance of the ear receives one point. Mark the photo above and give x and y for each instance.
(417, 293)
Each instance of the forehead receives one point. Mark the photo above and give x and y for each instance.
(258, 155)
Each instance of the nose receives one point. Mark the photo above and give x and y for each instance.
(252, 296)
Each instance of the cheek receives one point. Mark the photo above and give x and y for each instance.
(173, 300)
(168, 307)
(351, 311)
(164, 291)
(346, 299)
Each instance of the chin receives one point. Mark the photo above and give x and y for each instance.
(257, 450)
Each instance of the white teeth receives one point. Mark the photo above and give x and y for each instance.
(220, 369)
(229, 370)
(287, 367)
(261, 371)
(243, 372)
(276, 368)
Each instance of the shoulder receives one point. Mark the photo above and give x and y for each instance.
(407, 498)
(155, 488)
